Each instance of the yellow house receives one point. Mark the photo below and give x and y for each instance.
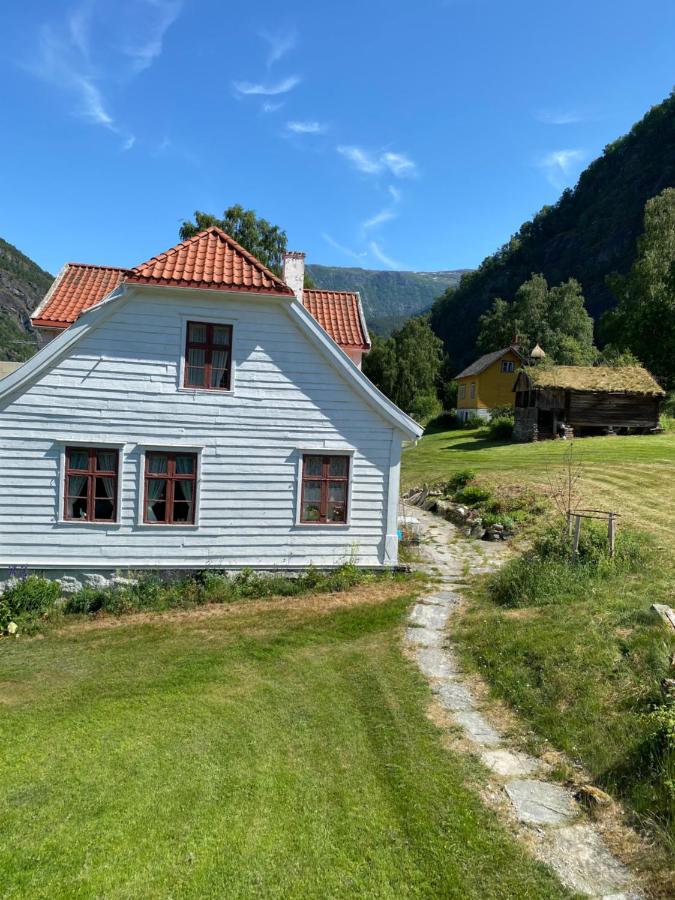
(488, 383)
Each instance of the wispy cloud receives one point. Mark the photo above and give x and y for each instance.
(382, 257)
(280, 43)
(269, 107)
(370, 163)
(249, 88)
(560, 164)
(90, 50)
(386, 214)
(309, 127)
(160, 16)
(353, 254)
(559, 117)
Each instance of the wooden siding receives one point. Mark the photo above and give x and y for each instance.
(612, 410)
(494, 388)
(120, 385)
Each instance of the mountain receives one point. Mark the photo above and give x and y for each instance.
(22, 285)
(389, 298)
(590, 232)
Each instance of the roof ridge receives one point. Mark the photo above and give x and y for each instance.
(82, 265)
(228, 239)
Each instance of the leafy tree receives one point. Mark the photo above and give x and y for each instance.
(644, 321)
(555, 318)
(407, 367)
(265, 241)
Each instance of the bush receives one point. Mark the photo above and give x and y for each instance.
(28, 601)
(473, 494)
(460, 479)
(425, 407)
(546, 574)
(500, 428)
(446, 421)
(474, 421)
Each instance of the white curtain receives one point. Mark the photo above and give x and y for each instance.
(76, 485)
(156, 487)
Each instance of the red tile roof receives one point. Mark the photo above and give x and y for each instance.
(76, 288)
(210, 260)
(340, 314)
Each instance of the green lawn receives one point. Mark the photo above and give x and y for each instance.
(633, 475)
(583, 665)
(272, 749)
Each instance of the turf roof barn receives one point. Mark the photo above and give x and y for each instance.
(589, 400)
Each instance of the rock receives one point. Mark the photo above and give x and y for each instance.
(94, 580)
(429, 616)
(121, 581)
(436, 663)
(509, 763)
(454, 696)
(477, 530)
(462, 512)
(540, 803)
(424, 637)
(69, 584)
(593, 798)
(579, 856)
(478, 728)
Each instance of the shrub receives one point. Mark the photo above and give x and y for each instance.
(474, 421)
(460, 479)
(425, 407)
(473, 494)
(546, 574)
(27, 601)
(500, 428)
(446, 421)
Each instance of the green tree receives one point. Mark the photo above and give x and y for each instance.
(555, 318)
(644, 321)
(265, 241)
(407, 368)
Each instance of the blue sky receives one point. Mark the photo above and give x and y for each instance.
(382, 134)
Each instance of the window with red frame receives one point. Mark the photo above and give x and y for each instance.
(170, 488)
(325, 487)
(91, 484)
(208, 356)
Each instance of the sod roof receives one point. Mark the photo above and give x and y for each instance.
(596, 379)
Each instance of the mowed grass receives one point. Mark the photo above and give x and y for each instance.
(583, 663)
(632, 475)
(261, 749)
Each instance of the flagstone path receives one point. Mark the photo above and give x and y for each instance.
(549, 818)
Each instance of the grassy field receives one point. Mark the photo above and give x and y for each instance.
(583, 658)
(635, 476)
(256, 749)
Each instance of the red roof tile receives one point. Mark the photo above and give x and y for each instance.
(76, 288)
(340, 314)
(211, 260)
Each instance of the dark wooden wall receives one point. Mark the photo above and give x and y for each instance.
(616, 410)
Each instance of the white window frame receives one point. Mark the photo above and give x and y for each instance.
(322, 451)
(140, 484)
(62, 444)
(206, 320)
(472, 391)
(462, 392)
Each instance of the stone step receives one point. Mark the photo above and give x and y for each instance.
(424, 637)
(436, 663)
(429, 616)
(540, 802)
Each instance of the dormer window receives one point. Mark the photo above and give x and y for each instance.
(208, 357)
(507, 367)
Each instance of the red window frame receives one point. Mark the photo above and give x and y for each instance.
(91, 473)
(171, 477)
(209, 347)
(324, 480)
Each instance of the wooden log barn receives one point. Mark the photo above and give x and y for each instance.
(584, 400)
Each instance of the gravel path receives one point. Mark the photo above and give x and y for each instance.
(549, 818)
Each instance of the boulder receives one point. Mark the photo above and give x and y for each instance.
(69, 584)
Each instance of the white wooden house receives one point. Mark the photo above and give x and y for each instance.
(197, 411)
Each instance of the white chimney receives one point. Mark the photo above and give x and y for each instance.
(294, 272)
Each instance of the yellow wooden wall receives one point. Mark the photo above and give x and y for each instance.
(493, 387)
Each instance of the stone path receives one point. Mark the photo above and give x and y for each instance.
(547, 814)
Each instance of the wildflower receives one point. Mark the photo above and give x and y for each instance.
(12, 628)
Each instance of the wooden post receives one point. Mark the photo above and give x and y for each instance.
(611, 534)
(577, 535)
(569, 523)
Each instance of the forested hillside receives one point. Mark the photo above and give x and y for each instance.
(22, 285)
(589, 233)
(389, 298)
